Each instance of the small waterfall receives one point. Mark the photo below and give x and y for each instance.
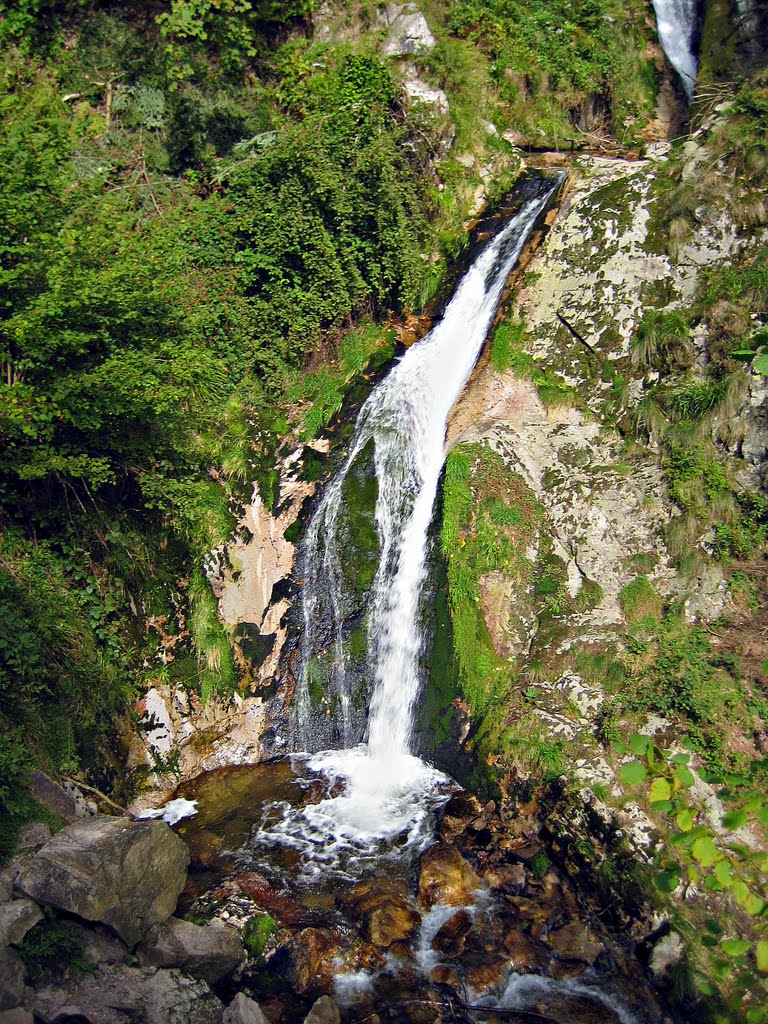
(402, 427)
(677, 22)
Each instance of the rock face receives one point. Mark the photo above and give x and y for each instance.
(325, 1011)
(11, 979)
(316, 956)
(209, 952)
(446, 877)
(127, 874)
(408, 31)
(119, 994)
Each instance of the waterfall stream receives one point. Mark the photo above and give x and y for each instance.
(677, 22)
(387, 791)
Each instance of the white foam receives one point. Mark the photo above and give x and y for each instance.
(173, 811)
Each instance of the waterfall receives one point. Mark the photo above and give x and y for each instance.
(677, 22)
(386, 789)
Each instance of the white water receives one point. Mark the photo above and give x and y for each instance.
(526, 991)
(390, 795)
(676, 21)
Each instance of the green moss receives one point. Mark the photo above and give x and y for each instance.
(360, 542)
(639, 600)
(256, 934)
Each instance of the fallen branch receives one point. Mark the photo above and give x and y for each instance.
(576, 335)
(102, 796)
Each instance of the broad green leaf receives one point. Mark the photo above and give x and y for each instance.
(760, 364)
(633, 773)
(680, 758)
(685, 775)
(667, 881)
(761, 955)
(746, 899)
(685, 820)
(704, 851)
(734, 819)
(660, 790)
(723, 873)
(736, 947)
(638, 743)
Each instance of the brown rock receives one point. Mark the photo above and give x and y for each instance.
(446, 877)
(451, 937)
(325, 1011)
(391, 920)
(486, 976)
(526, 852)
(278, 905)
(509, 878)
(209, 952)
(444, 975)
(127, 874)
(574, 941)
(524, 955)
(316, 956)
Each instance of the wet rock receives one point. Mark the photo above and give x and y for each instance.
(11, 979)
(278, 905)
(574, 941)
(446, 877)
(451, 937)
(127, 874)
(460, 810)
(316, 956)
(392, 920)
(509, 878)
(325, 1011)
(243, 1010)
(485, 975)
(210, 952)
(16, 918)
(444, 975)
(526, 852)
(525, 955)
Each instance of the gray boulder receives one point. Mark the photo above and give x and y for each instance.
(17, 1016)
(52, 796)
(408, 31)
(209, 952)
(127, 874)
(325, 1011)
(11, 979)
(16, 918)
(243, 1010)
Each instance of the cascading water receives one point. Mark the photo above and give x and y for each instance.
(677, 22)
(389, 793)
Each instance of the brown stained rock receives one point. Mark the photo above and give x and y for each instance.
(444, 975)
(324, 1011)
(451, 937)
(525, 852)
(210, 952)
(316, 956)
(525, 955)
(486, 975)
(460, 810)
(278, 905)
(446, 877)
(16, 918)
(127, 874)
(392, 920)
(574, 941)
(509, 878)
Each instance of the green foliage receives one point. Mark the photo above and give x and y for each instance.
(708, 854)
(50, 948)
(662, 341)
(256, 933)
(639, 600)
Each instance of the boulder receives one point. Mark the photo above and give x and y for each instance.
(284, 909)
(118, 994)
(446, 877)
(52, 796)
(17, 1016)
(325, 1011)
(574, 941)
(408, 31)
(16, 918)
(33, 836)
(510, 878)
(127, 874)
(11, 979)
(524, 954)
(316, 956)
(452, 936)
(243, 1010)
(391, 920)
(210, 952)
